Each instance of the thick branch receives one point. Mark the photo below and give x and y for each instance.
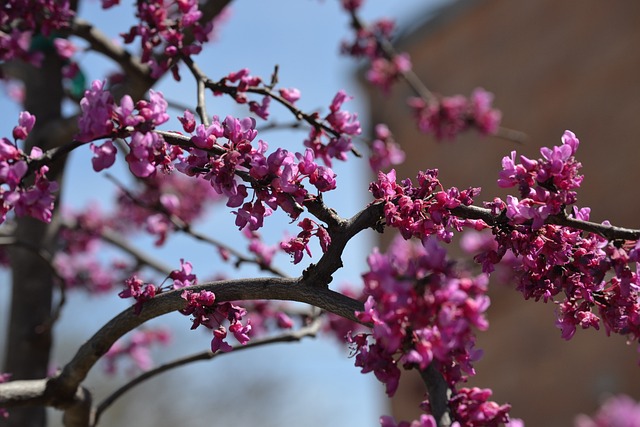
(341, 231)
(439, 395)
(63, 387)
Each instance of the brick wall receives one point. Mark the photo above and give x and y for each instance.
(552, 66)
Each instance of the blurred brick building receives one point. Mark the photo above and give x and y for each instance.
(552, 65)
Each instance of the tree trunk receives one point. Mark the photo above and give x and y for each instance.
(29, 337)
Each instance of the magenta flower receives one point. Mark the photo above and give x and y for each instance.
(616, 411)
(385, 152)
(64, 47)
(183, 278)
(135, 288)
(104, 156)
(291, 95)
(26, 121)
(97, 107)
(137, 349)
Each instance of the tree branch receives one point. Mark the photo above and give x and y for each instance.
(609, 232)
(439, 395)
(99, 42)
(306, 331)
(62, 387)
(201, 109)
(185, 227)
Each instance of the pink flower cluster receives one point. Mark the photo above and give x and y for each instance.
(423, 210)
(344, 123)
(21, 20)
(384, 70)
(162, 30)
(546, 185)
(423, 312)
(616, 411)
(263, 252)
(300, 244)
(241, 81)
(205, 311)
(224, 152)
(447, 117)
(35, 200)
(473, 408)
(184, 277)
(592, 280)
(140, 291)
(151, 204)
(582, 272)
(266, 316)
(351, 5)
(385, 152)
(137, 349)
(101, 117)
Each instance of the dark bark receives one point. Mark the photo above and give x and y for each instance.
(29, 337)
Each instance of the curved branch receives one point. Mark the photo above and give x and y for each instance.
(201, 108)
(293, 336)
(62, 387)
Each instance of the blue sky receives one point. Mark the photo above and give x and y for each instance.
(315, 380)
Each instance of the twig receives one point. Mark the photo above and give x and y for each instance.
(201, 109)
(184, 227)
(99, 42)
(306, 331)
(311, 119)
(141, 258)
(609, 232)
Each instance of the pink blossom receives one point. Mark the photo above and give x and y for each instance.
(137, 349)
(384, 72)
(291, 94)
(300, 244)
(385, 152)
(104, 156)
(26, 121)
(472, 408)
(135, 288)
(183, 278)
(37, 200)
(616, 411)
(64, 47)
(140, 158)
(261, 109)
(188, 121)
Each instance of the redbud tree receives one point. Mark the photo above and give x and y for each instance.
(415, 308)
